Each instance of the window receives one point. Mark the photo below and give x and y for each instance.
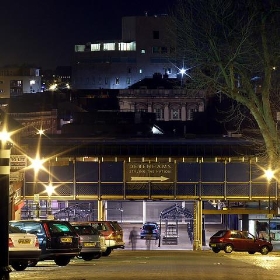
(128, 81)
(127, 46)
(175, 114)
(95, 47)
(106, 81)
(129, 70)
(163, 49)
(109, 46)
(140, 71)
(156, 50)
(159, 113)
(143, 51)
(155, 34)
(117, 81)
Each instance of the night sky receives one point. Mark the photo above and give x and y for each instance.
(44, 32)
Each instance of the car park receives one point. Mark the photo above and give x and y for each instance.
(237, 240)
(58, 240)
(90, 241)
(23, 248)
(113, 234)
(150, 230)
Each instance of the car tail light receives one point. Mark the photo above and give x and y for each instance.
(11, 244)
(47, 231)
(36, 243)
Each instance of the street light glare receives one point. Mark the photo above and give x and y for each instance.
(4, 136)
(269, 174)
(37, 163)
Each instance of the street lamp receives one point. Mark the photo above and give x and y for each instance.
(269, 174)
(36, 164)
(50, 190)
(5, 151)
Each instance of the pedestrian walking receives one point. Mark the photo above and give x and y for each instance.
(133, 238)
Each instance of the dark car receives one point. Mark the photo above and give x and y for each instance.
(90, 241)
(237, 240)
(112, 232)
(150, 230)
(58, 240)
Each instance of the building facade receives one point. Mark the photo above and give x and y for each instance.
(15, 81)
(146, 47)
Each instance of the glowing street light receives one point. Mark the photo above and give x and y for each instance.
(49, 190)
(269, 174)
(36, 164)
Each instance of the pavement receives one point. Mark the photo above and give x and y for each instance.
(183, 242)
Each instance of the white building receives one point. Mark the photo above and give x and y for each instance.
(145, 48)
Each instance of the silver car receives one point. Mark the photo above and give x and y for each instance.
(89, 240)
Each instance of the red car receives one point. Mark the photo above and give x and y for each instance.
(237, 240)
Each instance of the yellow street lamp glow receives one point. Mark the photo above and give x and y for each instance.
(37, 163)
(50, 190)
(269, 174)
(5, 136)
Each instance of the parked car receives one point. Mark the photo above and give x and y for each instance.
(58, 240)
(90, 241)
(150, 230)
(23, 248)
(237, 240)
(113, 234)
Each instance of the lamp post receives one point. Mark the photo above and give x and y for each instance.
(49, 189)
(36, 164)
(5, 151)
(269, 175)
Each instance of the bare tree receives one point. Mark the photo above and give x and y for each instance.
(233, 47)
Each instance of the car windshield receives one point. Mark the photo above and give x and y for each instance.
(14, 229)
(149, 227)
(86, 230)
(55, 227)
(220, 233)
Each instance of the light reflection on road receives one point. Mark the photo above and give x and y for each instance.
(269, 262)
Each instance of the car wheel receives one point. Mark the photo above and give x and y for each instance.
(19, 266)
(32, 263)
(264, 250)
(62, 261)
(228, 248)
(97, 255)
(215, 250)
(107, 252)
(251, 252)
(87, 257)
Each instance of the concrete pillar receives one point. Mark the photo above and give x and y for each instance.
(102, 210)
(144, 211)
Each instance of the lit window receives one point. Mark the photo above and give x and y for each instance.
(143, 51)
(140, 71)
(95, 47)
(109, 46)
(127, 46)
(117, 81)
(32, 82)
